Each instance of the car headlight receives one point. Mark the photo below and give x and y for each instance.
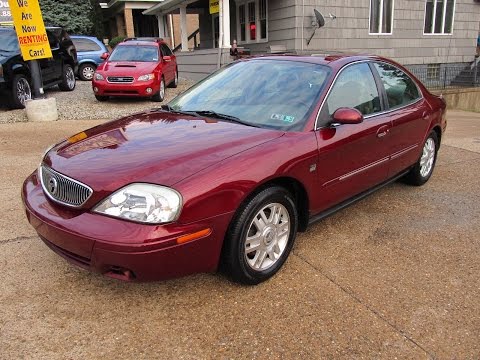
(146, 203)
(99, 76)
(146, 77)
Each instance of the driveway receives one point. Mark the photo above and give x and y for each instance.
(395, 275)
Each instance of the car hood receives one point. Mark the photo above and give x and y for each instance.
(156, 147)
(127, 67)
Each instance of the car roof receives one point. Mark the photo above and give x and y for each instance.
(139, 43)
(334, 60)
(83, 37)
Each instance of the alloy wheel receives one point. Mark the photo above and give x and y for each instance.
(267, 236)
(428, 157)
(24, 92)
(70, 76)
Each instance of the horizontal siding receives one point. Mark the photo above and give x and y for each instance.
(407, 44)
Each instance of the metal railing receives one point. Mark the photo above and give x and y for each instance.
(195, 40)
(443, 76)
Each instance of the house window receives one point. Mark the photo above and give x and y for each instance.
(381, 16)
(433, 71)
(252, 21)
(241, 16)
(439, 16)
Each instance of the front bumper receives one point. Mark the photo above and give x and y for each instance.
(135, 89)
(122, 249)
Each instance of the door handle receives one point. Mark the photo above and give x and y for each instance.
(425, 115)
(382, 131)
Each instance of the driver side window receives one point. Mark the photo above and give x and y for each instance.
(355, 87)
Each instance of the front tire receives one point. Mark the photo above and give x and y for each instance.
(68, 79)
(260, 236)
(20, 93)
(101, 98)
(423, 169)
(160, 95)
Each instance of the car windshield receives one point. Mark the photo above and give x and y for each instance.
(139, 53)
(277, 94)
(9, 42)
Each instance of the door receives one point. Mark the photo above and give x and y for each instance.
(409, 114)
(215, 29)
(51, 68)
(168, 65)
(352, 157)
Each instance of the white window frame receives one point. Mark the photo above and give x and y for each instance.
(380, 21)
(443, 18)
(257, 22)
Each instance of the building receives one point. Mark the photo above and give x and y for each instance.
(416, 33)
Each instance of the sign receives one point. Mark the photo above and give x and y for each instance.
(30, 29)
(5, 13)
(214, 6)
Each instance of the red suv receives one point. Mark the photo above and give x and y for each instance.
(139, 67)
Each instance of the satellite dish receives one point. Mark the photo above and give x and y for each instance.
(319, 22)
(320, 19)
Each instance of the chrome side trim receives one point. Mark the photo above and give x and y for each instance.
(404, 151)
(357, 171)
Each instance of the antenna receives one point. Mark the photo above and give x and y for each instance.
(319, 22)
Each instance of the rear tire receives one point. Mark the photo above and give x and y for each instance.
(86, 71)
(160, 95)
(174, 83)
(101, 98)
(423, 169)
(20, 92)
(260, 236)
(68, 79)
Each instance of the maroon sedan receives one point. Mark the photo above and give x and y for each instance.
(228, 172)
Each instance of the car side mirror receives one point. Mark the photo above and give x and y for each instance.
(347, 116)
(167, 58)
(104, 56)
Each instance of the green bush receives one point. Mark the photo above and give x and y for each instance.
(115, 41)
(82, 17)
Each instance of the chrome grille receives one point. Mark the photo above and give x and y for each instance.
(63, 189)
(120, 79)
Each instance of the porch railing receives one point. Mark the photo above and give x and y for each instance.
(444, 76)
(192, 35)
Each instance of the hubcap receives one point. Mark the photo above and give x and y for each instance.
(267, 236)
(428, 157)
(23, 91)
(70, 78)
(88, 72)
(162, 89)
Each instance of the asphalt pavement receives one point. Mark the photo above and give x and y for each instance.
(396, 275)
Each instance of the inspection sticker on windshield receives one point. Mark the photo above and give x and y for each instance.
(281, 117)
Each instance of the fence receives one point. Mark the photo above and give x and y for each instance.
(443, 76)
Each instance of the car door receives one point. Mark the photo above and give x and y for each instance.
(409, 113)
(352, 157)
(51, 68)
(168, 65)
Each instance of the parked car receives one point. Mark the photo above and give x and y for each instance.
(230, 170)
(15, 78)
(139, 67)
(89, 54)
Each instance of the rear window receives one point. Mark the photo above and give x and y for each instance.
(135, 53)
(86, 45)
(9, 41)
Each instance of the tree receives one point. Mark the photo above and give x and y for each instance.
(76, 16)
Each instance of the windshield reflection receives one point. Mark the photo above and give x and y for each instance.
(276, 94)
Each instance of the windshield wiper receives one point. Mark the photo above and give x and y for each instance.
(168, 108)
(216, 115)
